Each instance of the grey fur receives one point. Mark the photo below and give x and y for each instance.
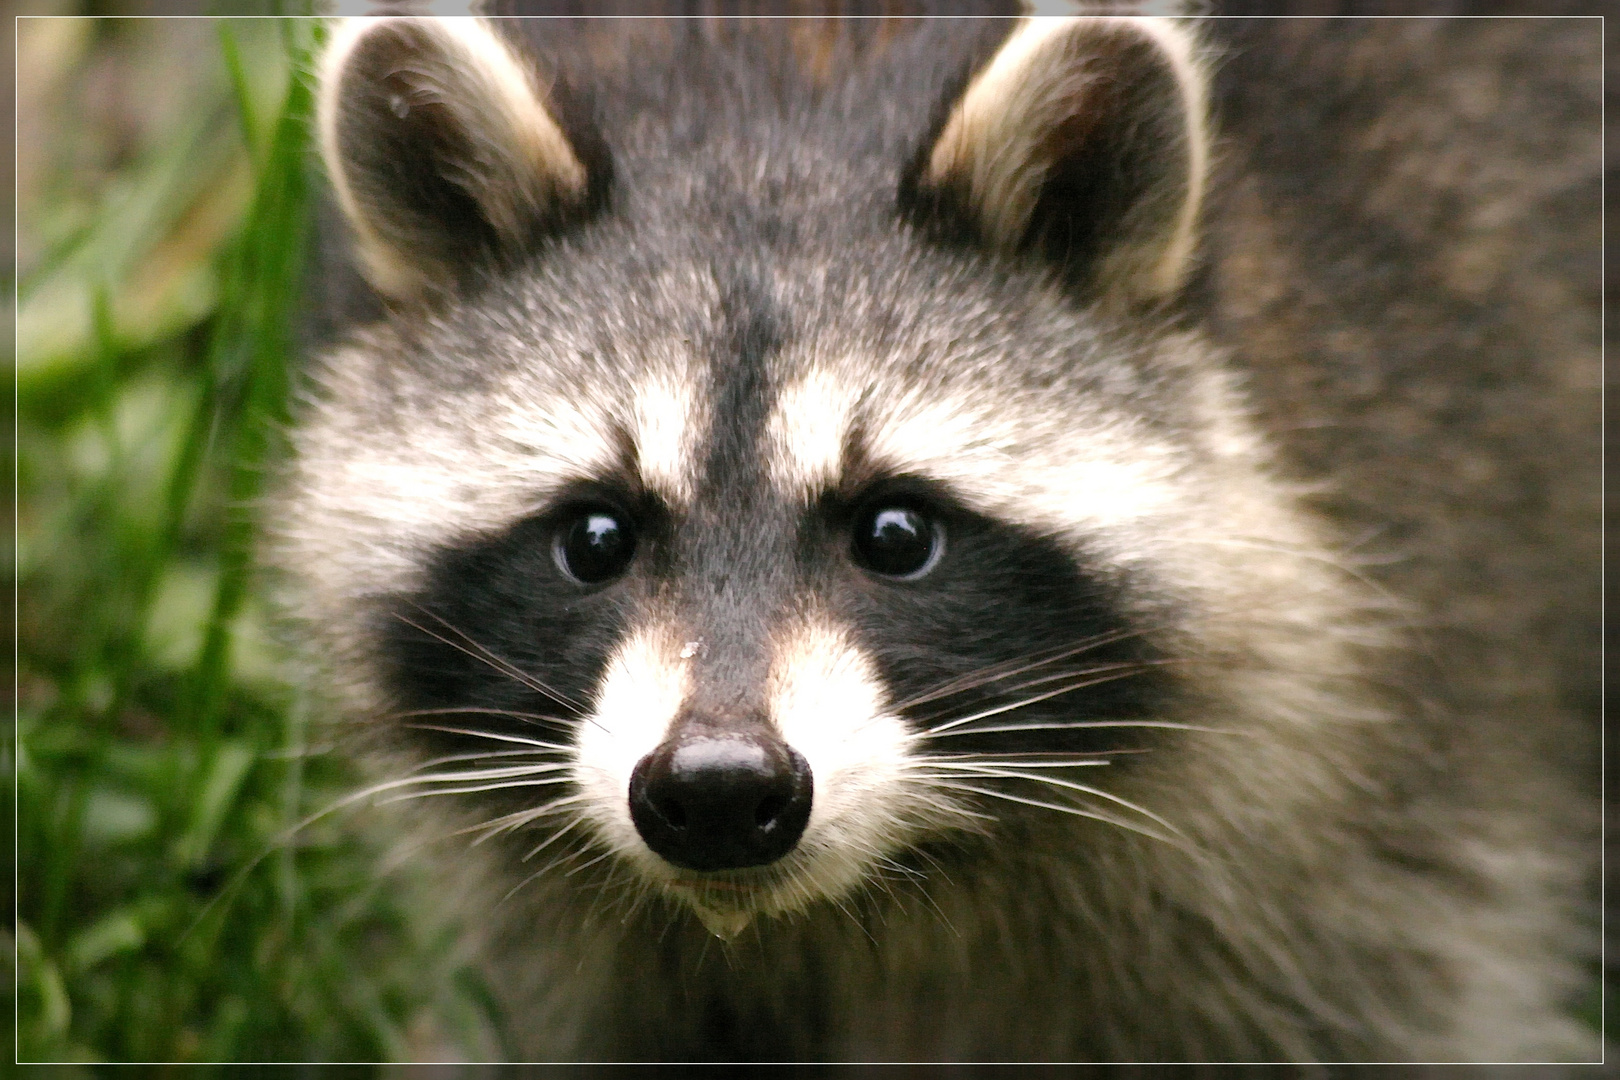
(1357, 502)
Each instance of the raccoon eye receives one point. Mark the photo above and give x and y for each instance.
(897, 542)
(594, 546)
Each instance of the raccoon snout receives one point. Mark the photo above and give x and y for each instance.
(721, 802)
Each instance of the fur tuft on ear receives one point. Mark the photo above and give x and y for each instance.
(1082, 139)
(441, 150)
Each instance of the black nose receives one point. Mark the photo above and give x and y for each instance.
(721, 801)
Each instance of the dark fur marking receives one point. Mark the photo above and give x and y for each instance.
(505, 594)
(999, 595)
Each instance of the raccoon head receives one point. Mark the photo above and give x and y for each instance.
(750, 497)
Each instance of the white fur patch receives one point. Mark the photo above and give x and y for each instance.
(380, 504)
(1081, 479)
(806, 432)
(829, 706)
(872, 794)
(1096, 476)
(641, 691)
(666, 421)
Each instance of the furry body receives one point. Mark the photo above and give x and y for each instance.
(759, 288)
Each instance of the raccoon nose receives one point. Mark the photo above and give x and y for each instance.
(721, 801)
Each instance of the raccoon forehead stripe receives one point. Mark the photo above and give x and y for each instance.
(1048, 473)
(562, 437)
(806, 432)
(663, 414)
(469, 471)
(1059, 472)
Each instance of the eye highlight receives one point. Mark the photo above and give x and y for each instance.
(594, 545)
(897, 541)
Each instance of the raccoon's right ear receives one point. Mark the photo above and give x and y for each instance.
(442, 152)
(1082, 141)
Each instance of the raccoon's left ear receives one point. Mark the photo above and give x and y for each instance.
(1083, 140)
(442, 150)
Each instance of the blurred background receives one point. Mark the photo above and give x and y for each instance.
(171, 908)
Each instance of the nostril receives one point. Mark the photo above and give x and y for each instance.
(672, 812)
(768, 810)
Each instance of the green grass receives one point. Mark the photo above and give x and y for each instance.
(164, 745)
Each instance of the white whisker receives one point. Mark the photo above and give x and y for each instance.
(476, 788)
(475, 710)
(554, 837)
(514, 889)
(479, 652)
(993, 673)
(489, 774)
(496, 736)
(482, 755)
(991, 770)
(518, 819)
(974, 759)
(1026, 702)
(1080, 724)
(588, 865)
(1070, 809)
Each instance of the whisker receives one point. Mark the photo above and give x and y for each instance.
(1079, 724)
(1128, 670)
(588, 865)
(285, 836)
(1105, 672)
(564, 858)
(514, 889)
(991, 770)
(1114, 671)
(909, 872)
(497, 736)
(949, 775)
(1070, 809)
(480, 787)
(391, 785)
(995, 673)
(504, 823)
(1032, 759)
(484, 755)
(553, 838)
(477, 710)
(503, 772)
(518, 819)
(479, 652)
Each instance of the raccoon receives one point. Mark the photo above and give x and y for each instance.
(890, 540)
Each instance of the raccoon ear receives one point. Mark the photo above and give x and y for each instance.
(1082, 139)
(442, 152)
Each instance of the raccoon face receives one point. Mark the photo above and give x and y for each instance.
(749, 510)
